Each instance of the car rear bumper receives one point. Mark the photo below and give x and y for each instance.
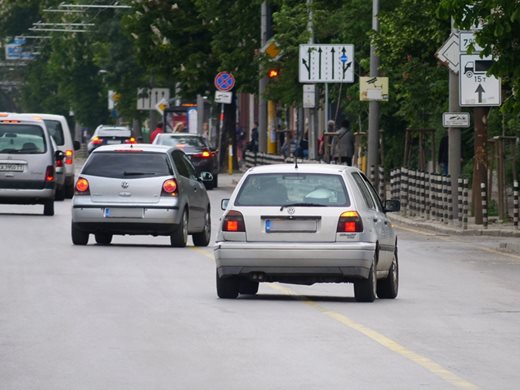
(151, 220)
(334, 262)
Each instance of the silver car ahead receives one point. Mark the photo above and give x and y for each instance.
(305, 224)
(140, 189)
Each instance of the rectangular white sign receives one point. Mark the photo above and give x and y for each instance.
(326, 63)
(148, 98)
(476, 87)
(455, 119)
(309, 96)
(466, 38)
(223, 97)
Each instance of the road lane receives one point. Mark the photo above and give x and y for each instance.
(140, 314)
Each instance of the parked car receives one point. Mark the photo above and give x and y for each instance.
(110, 135)
(203, 157)
(140, 189)
(59, 129)
(306, 224)
(28, 161)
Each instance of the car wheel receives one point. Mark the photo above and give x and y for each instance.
(79, 237)
(365, 290)
(103, 238)
(203, 238)
(388, 287)
(69, 191)
(60, 194)
(227, 288)
(248, 287)
(48, 207)
(180, 237)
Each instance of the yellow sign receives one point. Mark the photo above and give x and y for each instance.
(373, 89)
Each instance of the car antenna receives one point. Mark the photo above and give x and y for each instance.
(295, 162)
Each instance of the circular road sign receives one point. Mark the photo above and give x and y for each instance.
(224, 81)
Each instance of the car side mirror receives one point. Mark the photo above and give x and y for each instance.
(392, 205)
(206, 176)
(76, 145)
(224, 204)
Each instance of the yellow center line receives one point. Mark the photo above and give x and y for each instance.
(379, 338)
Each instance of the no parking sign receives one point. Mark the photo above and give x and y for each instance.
(224, 81)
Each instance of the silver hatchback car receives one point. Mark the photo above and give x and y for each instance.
(305, 224)
(140, 189)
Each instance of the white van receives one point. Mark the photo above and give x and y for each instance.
(59, 129)
(28, 161)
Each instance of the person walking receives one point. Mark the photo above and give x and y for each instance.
(343, 144)
(159, 129)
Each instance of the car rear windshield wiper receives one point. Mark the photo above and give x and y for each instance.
(303, 204)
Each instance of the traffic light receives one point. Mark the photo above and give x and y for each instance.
(273, 73)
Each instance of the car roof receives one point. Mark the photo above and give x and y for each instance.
(49, 116)
(300, 168)
(27, 118)
(129, 147)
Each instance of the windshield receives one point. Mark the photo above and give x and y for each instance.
(22, 139)
(187, 144)
(55, 130)
(128, 164)
(293, 189)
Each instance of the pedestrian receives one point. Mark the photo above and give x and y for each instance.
(179, 128)
(343, 144)
(443, 155)
(303, 147)
(252, 146)
(159, 129)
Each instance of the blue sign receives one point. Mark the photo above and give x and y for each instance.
(224, 81)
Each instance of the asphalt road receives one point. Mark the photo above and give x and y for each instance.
(139, 314)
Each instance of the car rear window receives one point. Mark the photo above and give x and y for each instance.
(187, 144)
(114, 132)
(22, 139)
(306, 189)
(127, 165)
(55, 130)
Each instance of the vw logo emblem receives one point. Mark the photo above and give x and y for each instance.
(290, 210)
(124, 184)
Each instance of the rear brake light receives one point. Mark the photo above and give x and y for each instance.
(350, 222)
(96, 140)
(69, 154)
(82, 187)
(59, 163)
(169, 188)
(233, 222)
(50, 174)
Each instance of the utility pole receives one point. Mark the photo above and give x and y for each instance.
(373, 106)
(454, 137)
(265, 33)
(311, 112)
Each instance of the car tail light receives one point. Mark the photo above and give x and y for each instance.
(50, 174)
(96, 140)
(59, 163)
(203, 154)
(169, 188)
(233, 222)
(82, 187)
(350, 222)
(130, 140)
(69, 155)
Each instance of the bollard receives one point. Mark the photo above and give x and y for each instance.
(449, 200)
(459, 200)
(515, 204)
(484, 205)
(230, 159)
(465, 206)
(381, 183)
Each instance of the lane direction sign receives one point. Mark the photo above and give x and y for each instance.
(476, 87)
(326, 63)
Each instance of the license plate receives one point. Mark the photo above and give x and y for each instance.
(290, 225)
(11, 167)
(113, 141)
(123, 212)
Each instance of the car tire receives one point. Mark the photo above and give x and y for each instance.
(179, 238)
(203, 238)
(388, 287)
(103, 238)
(365, 290)
(69, 191)
(48, 207)
(79, 237)
(60, 194)
(227, 288)
(248, 287)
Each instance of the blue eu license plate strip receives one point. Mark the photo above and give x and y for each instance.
(267, 225)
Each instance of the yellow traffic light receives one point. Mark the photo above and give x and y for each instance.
(273, 73)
